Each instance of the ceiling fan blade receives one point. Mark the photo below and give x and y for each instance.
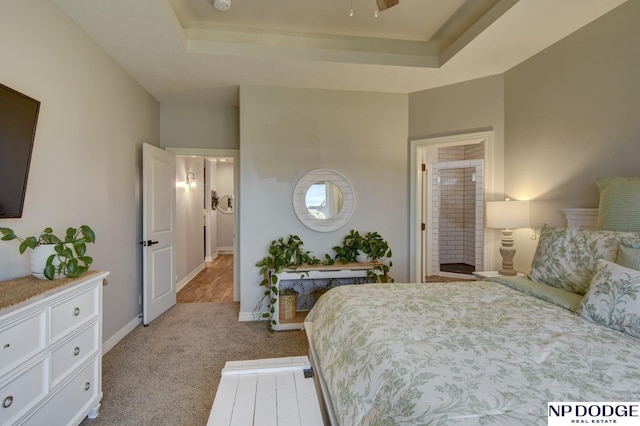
(386, 4)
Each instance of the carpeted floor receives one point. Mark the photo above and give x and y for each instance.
(168, 373)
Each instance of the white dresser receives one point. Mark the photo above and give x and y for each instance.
(51, 350)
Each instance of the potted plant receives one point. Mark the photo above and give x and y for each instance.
(370, 247)
(54, 257)
(283, 253)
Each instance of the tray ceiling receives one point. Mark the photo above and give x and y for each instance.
(187, 51)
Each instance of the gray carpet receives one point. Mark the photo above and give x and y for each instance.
(168, 373)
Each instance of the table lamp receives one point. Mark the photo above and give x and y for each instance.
(507, 215)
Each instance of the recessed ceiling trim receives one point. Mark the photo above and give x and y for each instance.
(477, 28)
(334, 48)
(313, 47)
(175, 22)
(312, 54)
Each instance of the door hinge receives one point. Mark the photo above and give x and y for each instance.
(424, 167)
(423, 226)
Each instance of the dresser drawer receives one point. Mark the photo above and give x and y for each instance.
(23, 392)
(73, 312)
(73, 353)
(22, 339)
(72, 402)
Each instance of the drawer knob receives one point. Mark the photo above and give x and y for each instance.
(6, 403)
(76, 351)
(6, 345)
(87, 386)
(76, 312)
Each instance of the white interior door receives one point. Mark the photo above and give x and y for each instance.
(158, 224)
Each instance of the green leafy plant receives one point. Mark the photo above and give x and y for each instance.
(371, 244)
(70, 252)
(283, 253)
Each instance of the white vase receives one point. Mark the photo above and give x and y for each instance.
(38, 260)
(362, 257)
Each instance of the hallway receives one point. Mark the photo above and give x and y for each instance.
(213, 284)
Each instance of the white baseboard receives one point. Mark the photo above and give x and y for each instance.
(225, 250)
(189, 277)
(211, 258)
(120, 334)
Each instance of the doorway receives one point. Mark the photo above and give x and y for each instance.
(214, 233)
(451, 177)
(455, 241)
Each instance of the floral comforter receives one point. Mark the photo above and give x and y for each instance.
(463, 353)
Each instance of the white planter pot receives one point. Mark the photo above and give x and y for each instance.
(38, 260)
(362, 257)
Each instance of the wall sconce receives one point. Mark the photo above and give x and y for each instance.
(191, 180)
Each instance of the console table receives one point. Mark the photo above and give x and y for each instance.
(314, 272)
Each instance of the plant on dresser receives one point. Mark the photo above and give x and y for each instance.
(62, 257)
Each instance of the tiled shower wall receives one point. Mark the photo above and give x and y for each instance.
(458, 224)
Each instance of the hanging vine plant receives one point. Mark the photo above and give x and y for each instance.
(283, 253)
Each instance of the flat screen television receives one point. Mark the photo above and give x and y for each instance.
(18, 119)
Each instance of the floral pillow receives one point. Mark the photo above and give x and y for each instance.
(567, 257)
(613, 299)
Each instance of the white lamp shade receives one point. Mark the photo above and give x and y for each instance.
(508, 214)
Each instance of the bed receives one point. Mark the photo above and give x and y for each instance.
(488, 352)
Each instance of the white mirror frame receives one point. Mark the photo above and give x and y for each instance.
(223, 208)
(300, 207)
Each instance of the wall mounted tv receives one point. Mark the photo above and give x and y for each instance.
(18, 119)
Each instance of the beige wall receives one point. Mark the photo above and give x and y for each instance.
(571, 116)
(189, 219)
(288, 132)
(199, 126)
(472, 106)
(86, 161)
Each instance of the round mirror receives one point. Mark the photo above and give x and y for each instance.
(226, 203)
(323, 200)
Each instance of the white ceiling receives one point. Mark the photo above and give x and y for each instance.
(186, 51)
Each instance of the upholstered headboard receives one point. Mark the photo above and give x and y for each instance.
(586, 218)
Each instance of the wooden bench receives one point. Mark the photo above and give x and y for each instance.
(264, 392)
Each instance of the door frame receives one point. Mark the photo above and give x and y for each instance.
(418, 205)
(235, 154)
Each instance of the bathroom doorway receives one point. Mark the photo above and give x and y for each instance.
(452, 176)
(456, 209)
